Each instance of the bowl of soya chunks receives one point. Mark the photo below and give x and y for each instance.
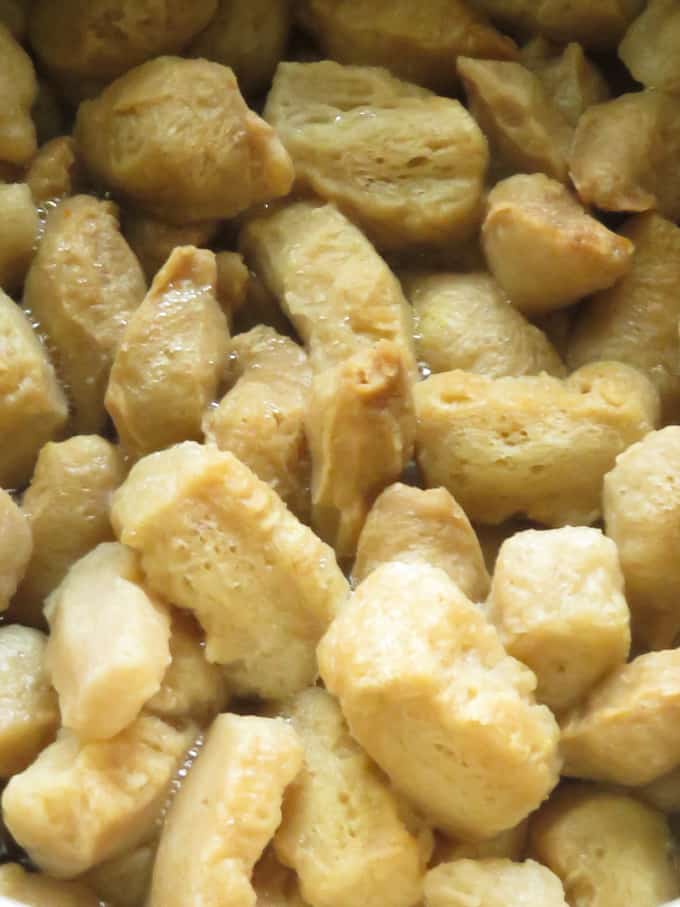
(339, 453)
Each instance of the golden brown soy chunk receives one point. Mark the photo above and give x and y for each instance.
(225, 813)
(261, 419)
(19, 234)
(168, 366)
(18, 91)
(175, 138)
(84, 47)
(408, 524)
(636, 320)
(533, 446)
(429, 692)
(16, 546)
(608, 848)
(250, 36)
(33, 409)
(651, 46)
(408, 167)
(67, 507)
(337, 291)
(420, 48)
(466, 321)
(220, 542)
(493, 883)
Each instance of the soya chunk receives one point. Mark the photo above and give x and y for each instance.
(429, 692)
(16, 545)
(225, 813)
(329, 280)
(341, 828)
(627, 731)
(67, 506)
(29, 713)
(19, 234)
(109, 643)
(55, 171)
(493, 883)
(361, 430)
(526, 131)
(275, 885)
(167, 368)
(608, 848)
(636, 321)
(250, 36)
(651, 46)
(33, 409)
(544, 249)
(218, 541)
(153, 241)
(557, 601)
(175, 137)
(663, 792)
(82, 287)
(598, 25)
(18, 91)
(125, 779)
(85, 46)
(125, 880)
(261, 419)
(192, 687)
(421, 48)
(624, 154)
(408, 167)
(466, 321)
(36, 890)
(410, 525)
(641, 506)
(572, 81)
(532, 446)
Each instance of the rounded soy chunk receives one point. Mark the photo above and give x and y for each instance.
(16, 545)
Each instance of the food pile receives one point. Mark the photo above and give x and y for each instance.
(340, 447)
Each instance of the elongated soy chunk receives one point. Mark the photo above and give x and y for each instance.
(466, 321)
(109, 643)
(82, 287)
(650, 46)
(557, 601)
(167, 368)
(641, 506)
(16, 545)
(421, 48)
(526, 131)
(18, 91)
(261, 419)
(218, 541)
(175, 137)
(341, 828)
(33, 409)
(429, 692)
(533, 446)
(609, 849)
(67, 506)
(636, 321)
(628, 730)
(624, 154)
(544, 249)
(80, 803)
(408, 524)
(406, 166)
(37, 890)
(361, 430)
(225, 813)
(492, 883)
(19, 220)
(329, 280)
(29, 712)
(85, 46)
